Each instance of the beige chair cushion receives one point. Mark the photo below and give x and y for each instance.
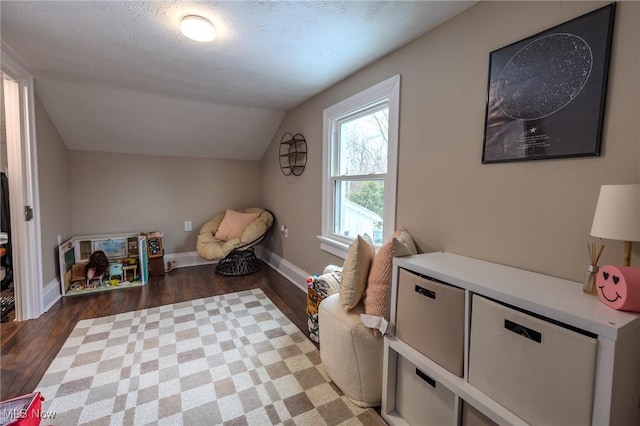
(233, 224)
(377, 296)
(350, 354)
(258, 227)
(355, 271)
(212, 248)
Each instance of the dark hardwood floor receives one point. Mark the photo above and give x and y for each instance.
(28, 347)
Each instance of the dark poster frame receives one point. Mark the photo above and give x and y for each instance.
(546, 93)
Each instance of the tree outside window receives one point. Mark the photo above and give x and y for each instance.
(360, 146)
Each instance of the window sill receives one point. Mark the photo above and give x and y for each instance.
(334, 247)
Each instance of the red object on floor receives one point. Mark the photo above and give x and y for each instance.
(25, 410)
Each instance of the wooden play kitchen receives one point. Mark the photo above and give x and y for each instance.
(128, 262)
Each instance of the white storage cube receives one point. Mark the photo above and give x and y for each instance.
(541, 371)
(472, 417)
(430, 318)
(420, 400)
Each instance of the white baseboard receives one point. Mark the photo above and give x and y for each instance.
(287, 269)
(51, 294)
(183, 260)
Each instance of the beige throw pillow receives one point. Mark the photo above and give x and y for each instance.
(233, 224)
(377, 297)
(355, 271)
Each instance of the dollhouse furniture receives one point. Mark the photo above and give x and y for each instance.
(130, 272)
(155, 251)
(230, 236)
(115, 271)
(119, 249)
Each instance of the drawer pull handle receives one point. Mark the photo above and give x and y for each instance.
(527, 332)
(425, 292)
(426, 378)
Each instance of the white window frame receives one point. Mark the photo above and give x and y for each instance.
(389, 91)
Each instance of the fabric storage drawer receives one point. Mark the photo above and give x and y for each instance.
(430, 318)
(472, 417)
(420, 400)
(542, 372)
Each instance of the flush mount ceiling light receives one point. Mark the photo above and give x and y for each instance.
(198, 28)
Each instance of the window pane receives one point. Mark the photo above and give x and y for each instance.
(359, 208)
(363, 143)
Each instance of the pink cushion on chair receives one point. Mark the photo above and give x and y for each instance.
(377, 296)
(233, 224)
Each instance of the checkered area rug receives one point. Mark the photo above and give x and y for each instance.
(233, 359)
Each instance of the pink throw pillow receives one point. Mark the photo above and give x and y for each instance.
(377, 296)
(233, 224)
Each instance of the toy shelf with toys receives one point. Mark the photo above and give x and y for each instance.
(96, 263)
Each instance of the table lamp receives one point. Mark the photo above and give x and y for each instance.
(617, 216)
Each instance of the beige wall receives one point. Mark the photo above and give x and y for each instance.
(534, 215)
(114, 193)
(55, 202)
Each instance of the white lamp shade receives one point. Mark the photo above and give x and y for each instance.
(617, 214)
(198, 28)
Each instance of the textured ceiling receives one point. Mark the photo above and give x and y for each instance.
(118, 76)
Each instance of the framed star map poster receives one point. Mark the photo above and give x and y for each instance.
(546, 93)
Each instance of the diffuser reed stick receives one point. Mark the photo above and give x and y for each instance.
(589, 285)
(593, 255)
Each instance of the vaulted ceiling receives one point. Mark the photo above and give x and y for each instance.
(118, 76)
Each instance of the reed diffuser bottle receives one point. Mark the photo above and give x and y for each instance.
(589, 285)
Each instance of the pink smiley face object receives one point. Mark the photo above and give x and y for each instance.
(619, 287)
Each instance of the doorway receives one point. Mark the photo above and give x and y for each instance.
(7, 295)
(21, 170)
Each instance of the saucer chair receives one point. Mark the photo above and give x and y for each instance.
(229, 237)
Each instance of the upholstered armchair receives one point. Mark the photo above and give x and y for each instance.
(229, 237)
(351, 352)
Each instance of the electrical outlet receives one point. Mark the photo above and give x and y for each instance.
(187, 225)
(284, 231)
